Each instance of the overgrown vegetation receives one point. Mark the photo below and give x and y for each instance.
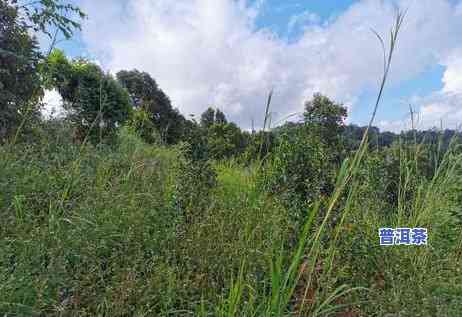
(126, 208)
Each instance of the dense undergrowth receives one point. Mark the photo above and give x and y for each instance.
(136, 229)
(205, 219)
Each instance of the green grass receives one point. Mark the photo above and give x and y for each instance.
(97, 231)
(139, 230)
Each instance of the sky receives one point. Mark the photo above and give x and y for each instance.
(230, 53)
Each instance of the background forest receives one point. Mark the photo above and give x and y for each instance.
(125, 207)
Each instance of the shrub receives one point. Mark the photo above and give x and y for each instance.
(299, 171)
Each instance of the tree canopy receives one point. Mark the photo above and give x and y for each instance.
(326, 119)
(19, 61)
(48, 15)
(21, 58)
(96, 102)
(146, 96)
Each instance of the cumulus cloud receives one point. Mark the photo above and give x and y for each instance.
(452, 77)
(53, 105)
(210, 52)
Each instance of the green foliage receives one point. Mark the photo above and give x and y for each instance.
(208, 118)
(303, 166)
(258, 146)
(220, 117)
(20, 82)
(352, 136)
(138, 229)
(141, 123)
(20, 88)
(43, 15)
(148, 97)
(225, 140)
(300, 170)
(92, 235)
(212, 116)
(196, 138)
(195, 178)
(129, 226)
(147, 230)
(326, 119)
(96, 102)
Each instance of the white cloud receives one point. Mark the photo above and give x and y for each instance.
(205, 52)
(452, 78)
(53, 105)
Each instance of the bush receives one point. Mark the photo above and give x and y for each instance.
(299, 171)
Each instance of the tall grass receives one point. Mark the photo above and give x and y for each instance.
(283, 284)
(105, 231)
(306, 281)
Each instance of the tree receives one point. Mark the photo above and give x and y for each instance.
(19, 80)
(212, 116)
(141, 87)
(225, 140)
(326, 117)
(96, 102)
(44, 15)
(146, 95)
(208, 118)
(220, 117)
(20, 57)
(298, 171)
(302, 167)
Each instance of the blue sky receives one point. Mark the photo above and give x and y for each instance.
(277, 16)
(229, 53)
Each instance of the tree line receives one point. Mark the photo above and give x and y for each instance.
(98, 104)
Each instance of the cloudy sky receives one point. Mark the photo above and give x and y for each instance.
(230, 53)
